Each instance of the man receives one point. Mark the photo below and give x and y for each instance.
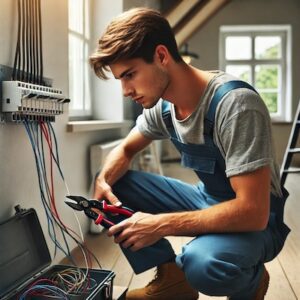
(222, 129)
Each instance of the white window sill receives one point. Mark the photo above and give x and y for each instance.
(92, 125)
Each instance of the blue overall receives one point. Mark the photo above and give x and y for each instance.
(218, 264)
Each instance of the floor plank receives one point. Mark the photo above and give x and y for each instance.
(289, 257)
(279, 287)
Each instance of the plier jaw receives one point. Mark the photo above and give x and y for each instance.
(90, 206)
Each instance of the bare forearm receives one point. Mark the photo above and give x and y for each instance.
(115, 165)
(249, 211)
(144, 229)
(228, 216)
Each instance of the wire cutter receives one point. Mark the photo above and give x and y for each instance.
(109, 211)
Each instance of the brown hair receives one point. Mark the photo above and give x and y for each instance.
(133, 34)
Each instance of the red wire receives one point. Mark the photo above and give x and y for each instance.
(52, 196)
(49, 142)
(43, 280)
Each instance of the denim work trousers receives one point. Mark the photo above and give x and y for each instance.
(221, 264)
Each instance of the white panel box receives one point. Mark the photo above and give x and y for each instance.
(31, 99)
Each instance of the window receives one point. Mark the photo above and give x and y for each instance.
(79, 39)
(261, 55)
(91, 98)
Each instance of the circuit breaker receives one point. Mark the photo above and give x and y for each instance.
(22, 100)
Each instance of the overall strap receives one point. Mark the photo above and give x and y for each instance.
(166, 115)
(210, 116)
(221, 91)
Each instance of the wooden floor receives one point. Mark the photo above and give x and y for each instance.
(284, 270)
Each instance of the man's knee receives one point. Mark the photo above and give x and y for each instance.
(210, 273)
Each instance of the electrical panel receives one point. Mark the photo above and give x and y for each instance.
(25, 94)
(22, 100)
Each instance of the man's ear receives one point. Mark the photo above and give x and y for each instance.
(162, 54)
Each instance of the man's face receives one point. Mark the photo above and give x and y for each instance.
(144, 82)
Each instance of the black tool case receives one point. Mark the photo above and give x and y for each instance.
(25, 258)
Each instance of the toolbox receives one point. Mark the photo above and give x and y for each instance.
(25, 259)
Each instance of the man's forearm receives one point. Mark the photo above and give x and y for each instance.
(115, 166)
(249, 211)
(228, 216)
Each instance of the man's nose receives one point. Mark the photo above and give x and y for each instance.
(127, 90)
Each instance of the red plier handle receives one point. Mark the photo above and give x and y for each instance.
(103, 221)
(125, 211)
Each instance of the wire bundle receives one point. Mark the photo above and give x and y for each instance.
(40, 133)
(61, 284)
(28, 63)
(73, 281)
(44, 288)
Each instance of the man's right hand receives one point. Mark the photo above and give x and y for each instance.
(116, 164)
(102, 190)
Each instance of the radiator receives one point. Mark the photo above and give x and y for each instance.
(98, 154)
(147, 160)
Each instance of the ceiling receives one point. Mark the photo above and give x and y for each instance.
(188, 16)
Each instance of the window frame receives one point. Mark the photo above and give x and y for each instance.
(84, 37)
(284, 113)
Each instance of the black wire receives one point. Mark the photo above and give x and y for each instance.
(30, 15)
(57, 163)
(15, 73)
(52, 155)
(27, 38)
(23, 40)
(43, 166)
(43, 183)
(55, 142)
(43, 198)
(41, 43)
(34, 40)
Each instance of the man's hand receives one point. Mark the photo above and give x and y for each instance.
(139, 231)
(102, 190)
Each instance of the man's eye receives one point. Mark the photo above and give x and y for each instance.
(129, 75)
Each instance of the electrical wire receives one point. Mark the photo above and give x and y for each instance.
(38, 132)
(51, 229)
(40, 43)
(63, 282)
(23, 48)
(28, 66)
(31, 41)
(28, 61)
(16, 68)
(26, 9)
(36, 58)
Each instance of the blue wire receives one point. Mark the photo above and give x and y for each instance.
(51, 130)
(62, 232)
(30, 133)
(40, 181)
(56, 292)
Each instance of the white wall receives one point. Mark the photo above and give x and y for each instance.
(205, 42)
(109, 104)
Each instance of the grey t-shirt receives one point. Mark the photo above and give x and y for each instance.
(242, 129)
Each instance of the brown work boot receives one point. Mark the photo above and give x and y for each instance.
(262, 287)
(169, 284)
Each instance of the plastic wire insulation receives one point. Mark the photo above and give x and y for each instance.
(38, 133)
